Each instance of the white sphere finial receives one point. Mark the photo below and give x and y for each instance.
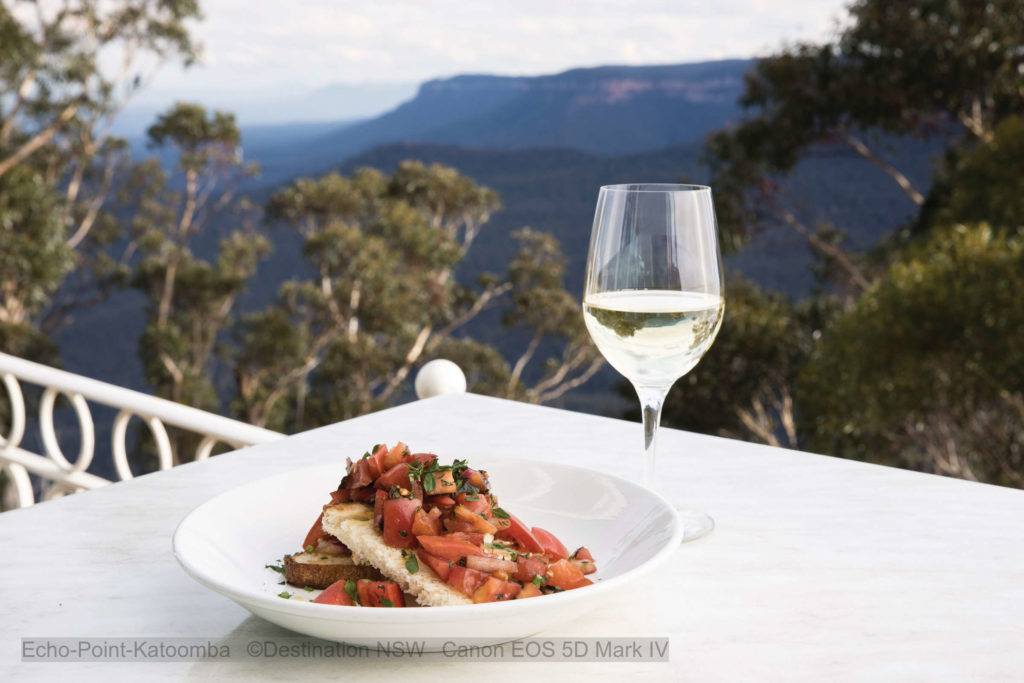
(440, 377)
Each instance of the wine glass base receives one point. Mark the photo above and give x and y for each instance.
(696, 524)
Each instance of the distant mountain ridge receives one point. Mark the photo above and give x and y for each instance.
(604, 110)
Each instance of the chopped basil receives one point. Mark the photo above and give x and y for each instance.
(308, 548)
(284, 594)
(365, 456)
(539, 580)
(388, 603)
(403, 534)
(308, 589)
(500, 514)
(412, 565)
(375, 447)
(473, 496)
(429, 483)
(350, 588)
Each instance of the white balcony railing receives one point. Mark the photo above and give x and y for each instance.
(61, 475)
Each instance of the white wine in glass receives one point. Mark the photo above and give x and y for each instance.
(653, 299)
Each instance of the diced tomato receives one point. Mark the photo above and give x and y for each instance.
(563, 575)
(398, 515)
(340, 496)
(552, 546)
(376, 463)
(494, 590)
(474, 502)
(473, 537)
(335, 594)
(363, 495)
(521, 534)
(475, 478)
(530, 590)
(375, 593)
(529, 567)
(440, 501)
(470, 521)
(378, 508)
(417, 458)
(396, 476)
(393, 456)
(360, 475)
(583, 554)
(441, 566)
(427, 523)
(448, 548)
(444, 482)
(316, 532)
(465, 580)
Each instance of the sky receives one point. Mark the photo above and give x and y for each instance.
(288, 48)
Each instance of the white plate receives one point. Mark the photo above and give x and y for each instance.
(226, 542)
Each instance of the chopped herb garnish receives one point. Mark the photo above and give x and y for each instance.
(473, 496)
(308, 589)
(412, 565)
(500, 514)
(308, 548)
(365, 456)
(429, 482)
(350, 588)
(375, 447)
(279, 568)
(403, 534)
(539, 580)
(284, 594)
(388, 603)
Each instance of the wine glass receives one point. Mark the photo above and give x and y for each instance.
(653, 298)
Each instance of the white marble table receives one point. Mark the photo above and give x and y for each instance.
(819, 568)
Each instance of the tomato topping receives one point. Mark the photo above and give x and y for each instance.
(335, 594)
(340, 496)
(416, 458)
(444, 482)
(474, 502)
(396, 476)
(473, 538)
(521, 534)
(378, 508)
(529, 567)
(398, 515)
(583, 554)
(360, 475)
(363, 495)
(427, 523)
(441, 566)
(464, 519)
(379, 593)
(449, 548)
(563, 575)
(552, 546)
(439, 501)
(530, 590)
(475, 478)
(465, 580)
(316, 532)
(392, 457)
(494, 589)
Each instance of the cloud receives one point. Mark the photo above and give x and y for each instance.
(259, 43)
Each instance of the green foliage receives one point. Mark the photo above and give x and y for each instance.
(762, 343)
(385, 299)
(926, 352)
(982, 184)
(191, 300)
(34, 256)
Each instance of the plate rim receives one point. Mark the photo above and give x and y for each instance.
(306, 609)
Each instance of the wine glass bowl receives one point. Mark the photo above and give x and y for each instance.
(653, 298)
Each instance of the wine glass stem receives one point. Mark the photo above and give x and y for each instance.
(651, 401)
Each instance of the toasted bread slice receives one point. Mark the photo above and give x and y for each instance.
(320, 571)
(352, 524)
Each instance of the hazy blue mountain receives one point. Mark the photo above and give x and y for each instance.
(604, 110)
